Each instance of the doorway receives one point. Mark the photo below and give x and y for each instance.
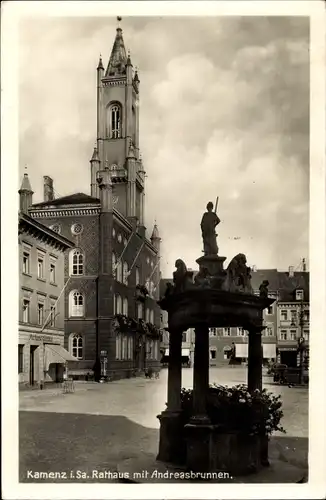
(32, 364)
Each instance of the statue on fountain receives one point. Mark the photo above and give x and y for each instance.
(208, 224)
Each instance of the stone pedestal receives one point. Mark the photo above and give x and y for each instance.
(198, 438)
(172, 445)
(213, 265)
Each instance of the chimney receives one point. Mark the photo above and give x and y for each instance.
(304, 265)
(291, 271)
(48, 188)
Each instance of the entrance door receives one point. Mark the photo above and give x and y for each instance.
(32, 364)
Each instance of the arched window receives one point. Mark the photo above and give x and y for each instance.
(76, 263)
(125, 307)
(147, 316)
(118, 304)
(125, 273)
(114, 121)
(76, 346)
(151, 317)
(76, 304)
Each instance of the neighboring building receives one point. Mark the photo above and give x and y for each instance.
(41, 355)
(293, 318)
(112, 253)
(286, 320)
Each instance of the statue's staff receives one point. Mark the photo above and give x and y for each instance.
(215, 210)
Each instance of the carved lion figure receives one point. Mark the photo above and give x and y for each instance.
(238, 274)
(181, 277)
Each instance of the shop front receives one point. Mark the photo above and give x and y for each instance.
(269, 351)
(41, 358)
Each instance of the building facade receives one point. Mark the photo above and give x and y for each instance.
(112, 274)
(41, 353)
(286, 321)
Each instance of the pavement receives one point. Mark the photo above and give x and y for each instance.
(100, 425)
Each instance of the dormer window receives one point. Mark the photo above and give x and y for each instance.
(299, 295)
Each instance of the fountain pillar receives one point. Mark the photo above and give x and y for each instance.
(201, 375)
(171, 445)
(255, 359)
(198, 431)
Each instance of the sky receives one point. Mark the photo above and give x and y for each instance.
(224, 111)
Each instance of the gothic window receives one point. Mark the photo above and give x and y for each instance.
(137, 276)
(118, 305)
(76, 262)
(76, 346)
(118, 342)
(151, 317)
(140, 311)
(76, 304)
(125, 307)
(119, 272)
(114, 121)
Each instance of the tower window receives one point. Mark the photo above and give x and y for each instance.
(76, 303)
(114, 122)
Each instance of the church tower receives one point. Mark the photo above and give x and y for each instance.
(118, 133)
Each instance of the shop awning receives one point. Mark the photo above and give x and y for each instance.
(54, 353)
(241, 350)
(269, 351)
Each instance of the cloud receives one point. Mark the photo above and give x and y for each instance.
(224, 111)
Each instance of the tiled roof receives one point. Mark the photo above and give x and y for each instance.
(72, 199)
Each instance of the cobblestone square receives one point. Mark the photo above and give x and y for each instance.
(101, 424)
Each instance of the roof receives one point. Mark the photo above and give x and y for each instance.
(26, 185)
(72, 199)
(279, 281)
(27, 222)
(282, 282)
(155, 233)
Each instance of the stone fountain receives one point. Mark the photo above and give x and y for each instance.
(216, 297)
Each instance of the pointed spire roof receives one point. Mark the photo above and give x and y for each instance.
(95, 155)
(155, 233)
(26, 185)
(118, 59)
(100, 63)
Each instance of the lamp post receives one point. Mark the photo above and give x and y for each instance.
(300, 342)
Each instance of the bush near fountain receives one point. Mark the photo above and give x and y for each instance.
(241, 424)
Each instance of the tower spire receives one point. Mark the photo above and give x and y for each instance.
(118, 58)
(25, 194)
